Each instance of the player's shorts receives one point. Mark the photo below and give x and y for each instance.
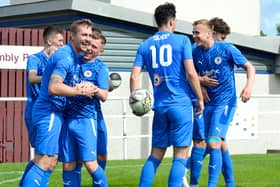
(198, 128)
(198, 124)
(47, 127)
(102, 138)
(31, 131)
(217, 119)
(78, 140)
(28, 123)
(172, 125)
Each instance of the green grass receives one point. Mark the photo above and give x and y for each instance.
(257, 170)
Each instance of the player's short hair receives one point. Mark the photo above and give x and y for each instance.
(164, 12)
(220, 26)
(97, 34)
(75, 25)
(51, 31)
(203, 22)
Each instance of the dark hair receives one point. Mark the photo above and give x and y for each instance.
(220, 26)
(97, 34)
(74, 26)
(164, 12)
(50, 31)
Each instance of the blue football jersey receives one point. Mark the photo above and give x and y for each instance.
(163, 56)
(218, 63)
(63, 63)
(81, 106)
(36, 62)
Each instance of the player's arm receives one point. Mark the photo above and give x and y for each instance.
(247, 90)
(207, 81)
(57, 87)
(135, 78)
(195, 84)
(102, 94)
(33, 78)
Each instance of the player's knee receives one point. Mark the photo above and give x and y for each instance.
(69, 166)
(91, 166)
(199, 143)
(214, 142)
(102, 157)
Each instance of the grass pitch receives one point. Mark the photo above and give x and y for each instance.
(255, 170)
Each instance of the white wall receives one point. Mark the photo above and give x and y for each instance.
(243, 16)
(267, 111)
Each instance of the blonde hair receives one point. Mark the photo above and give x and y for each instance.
(204, 22)
(76, 24)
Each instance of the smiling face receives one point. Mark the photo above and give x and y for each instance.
(202, 33)
(94, 50)
(82, 38)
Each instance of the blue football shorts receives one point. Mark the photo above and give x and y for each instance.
(47, 127)
(217, 119)
(172, 125)
(78, 140)
(198, 127)
(102, 138)
(28, 123)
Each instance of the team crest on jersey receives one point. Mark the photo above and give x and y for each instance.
(157, 80)
(88, 73)
(218, 60)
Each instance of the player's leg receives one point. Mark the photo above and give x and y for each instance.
(180, 136)
(150, 167)
(227, 168)
(217, 131)
(28, 123)
(159, 145)
(198, 150)
(71, 173)
(86, 137)
(102, 141)
(48, 130)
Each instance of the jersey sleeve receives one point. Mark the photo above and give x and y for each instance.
(32, 63)
(187, 49)
(103, 78)
(62, 64)
(139, 59)
(238, 58)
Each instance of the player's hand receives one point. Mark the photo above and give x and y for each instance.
(87, 89)
(199, 107)
(245, 95)
(207, 81)
(205, 95)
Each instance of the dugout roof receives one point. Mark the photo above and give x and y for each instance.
(62, 12)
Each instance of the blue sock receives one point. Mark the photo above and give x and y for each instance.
(27, 168)
(72, 178)
(149, 171)
(196, 160)
(227, 169)
(214, 167)
(99, 178)
(102, 164)
(33, 177)
(177, 172)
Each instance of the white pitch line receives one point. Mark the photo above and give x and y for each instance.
(10, 180)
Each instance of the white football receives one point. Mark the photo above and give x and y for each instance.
(140, 102)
